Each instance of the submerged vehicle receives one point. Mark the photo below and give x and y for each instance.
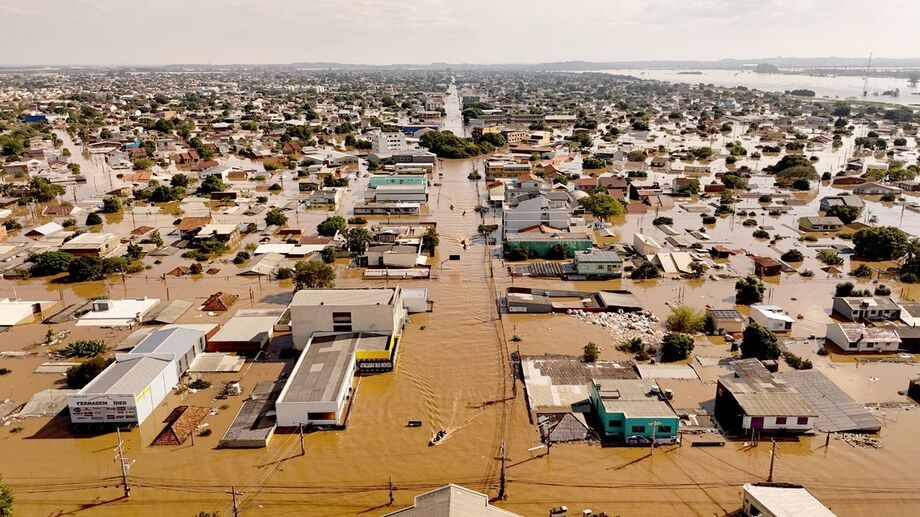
(437, 438)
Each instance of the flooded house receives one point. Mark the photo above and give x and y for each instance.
(772, 317)
(820, 224)
(781, 500)
(857, 337)
(869, 308)
(634, 410)
(747, 403)
(598, 264)
(726, 321)
(92, 245)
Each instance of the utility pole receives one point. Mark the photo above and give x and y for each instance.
(654, 425)
(236, 508)
(125, 463)
(303, 451)
(772, 458)
(501, 487)
(390, 483)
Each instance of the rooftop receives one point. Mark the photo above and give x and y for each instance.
(338, 297)
(787, 501)
(767, 396)
(130, 375)
(321, 370)
(633, 398)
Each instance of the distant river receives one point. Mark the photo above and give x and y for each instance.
(836, 87)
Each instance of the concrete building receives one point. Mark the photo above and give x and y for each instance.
(540, 244)
(856, 337)
(820, 224)
(398, 194)
(320, 383)
(761, 403)
(92, 245)
(645, 245)
(877, 308)
(246, 332)
(772, 317)
(451, 501)
(781, 500)
(117, 313)
(536, 212)
(15, 312)
(346, 310)
(129, 389)
(598, 264)
(726, 321)
(632, 408)
(389, 143)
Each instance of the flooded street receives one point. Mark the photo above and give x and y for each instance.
(453, 373)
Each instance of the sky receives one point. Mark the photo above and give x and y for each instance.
(156, 32)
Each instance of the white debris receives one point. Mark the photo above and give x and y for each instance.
(624, 325)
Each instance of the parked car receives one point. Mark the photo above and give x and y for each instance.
(645, 440)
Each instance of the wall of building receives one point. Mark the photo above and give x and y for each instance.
(305, 320)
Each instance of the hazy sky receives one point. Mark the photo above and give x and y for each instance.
(456, 31)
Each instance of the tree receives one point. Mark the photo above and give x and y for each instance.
(328, 254)
(86, 268)
(685, 319)
(698, 268)
(881, 243)
(590, 353)
(84, 348)
(82, 374)
(830, 257)
(847, 289)
(748, 290)
(592, 162)
(431, 239)
(179, 180)
(313, 275)
(675, 347)
(6, 500)
(845, 213)
(134, 251)
(732, 181)
(602, 205)
(759, 342)
(50, 263)
(792, 255)
(111, 205)
(357, 240)
(211, 184)
(644, 271)
(275, 217)
(93, 219)
(331, 226)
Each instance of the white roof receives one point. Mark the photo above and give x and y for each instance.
(773, 312)
(129, 375)
(47, 229)
(333, 297)
(120, 312)
(787, 502)
(14, 311)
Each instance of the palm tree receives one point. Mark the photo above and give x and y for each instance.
(357, 240)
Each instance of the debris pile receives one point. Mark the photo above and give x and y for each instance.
(860, 440)
(624, 325)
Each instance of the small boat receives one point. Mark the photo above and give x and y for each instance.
(437, 438)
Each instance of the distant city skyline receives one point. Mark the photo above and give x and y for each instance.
(379, 32)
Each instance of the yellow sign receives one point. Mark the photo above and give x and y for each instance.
(142, 394)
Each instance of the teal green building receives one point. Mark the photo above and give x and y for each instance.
(632, 407)
(541, 243)
(398, 179)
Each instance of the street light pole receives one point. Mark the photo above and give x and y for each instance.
(654, 425)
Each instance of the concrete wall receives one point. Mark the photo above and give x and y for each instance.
(305, 320)
(290, 414)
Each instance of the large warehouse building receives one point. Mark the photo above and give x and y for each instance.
(130, 389)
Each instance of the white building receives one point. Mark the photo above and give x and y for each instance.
(772, 317)
(536, 212)
(645, 245)
(320, 384)
(765, 500)
(389, 142)
(856, 337)
(129, 389)
(117, 313)
(345, 310)
(14, 312)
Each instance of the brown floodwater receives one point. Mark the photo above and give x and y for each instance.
(453, 374)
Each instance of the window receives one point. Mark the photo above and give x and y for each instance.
(780, 420)
(803, 420)
(638, 428)
(615, 423)
(341, 322)
(664, 429)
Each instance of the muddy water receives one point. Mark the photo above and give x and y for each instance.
(452, 374)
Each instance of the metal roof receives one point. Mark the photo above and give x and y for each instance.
(129, 376)
(633, 398)
(334, 297)
(783, 501)
(176, 341)
(765, 396)
(322, 369)
(837, 411)
(449, 501)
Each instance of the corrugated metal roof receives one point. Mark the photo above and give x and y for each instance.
(169, 341)
(787, 501)
(128, 376)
